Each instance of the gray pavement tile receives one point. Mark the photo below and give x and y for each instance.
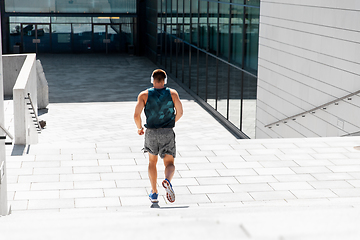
(256, 179)
(355, 183)
(311, 163)
(82, 193)
(48, 170)
(225, 159)
(51, 186)
(210, 189)
(38, 178)
(314, 193)
(203, 166)
(198, 173)
(236, 172)
(97, 202)
(295, 178)
(115, 192)
(347, 192)
(276, 164)
(290, 186)
(301, 170)
(216, 180)
(94, 184)
(331, 184)
(274, 171)
(332, 176)
(251, 187)
(345, 161)
(39, 204)
(274, 195)
(24, 195)
(226, 198)
(18, 186)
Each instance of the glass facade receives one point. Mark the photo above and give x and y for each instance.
(212, 48)
(71, 34)
(70, 6)
(77, 26)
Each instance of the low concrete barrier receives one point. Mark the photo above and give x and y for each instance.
(12, 65)
(24, 127)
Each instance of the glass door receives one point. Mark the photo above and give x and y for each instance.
(106, 38)
(35, 38)
(100, 38)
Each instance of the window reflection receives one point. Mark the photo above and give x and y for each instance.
(72, 6)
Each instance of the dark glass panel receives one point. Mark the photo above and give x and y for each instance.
(224, 31)
(252, 39)
(61, 38)
(203, 27)
(237, 34)
(82, 36)
(213, 27)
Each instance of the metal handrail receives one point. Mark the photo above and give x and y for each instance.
(37, 120)
(314, 109)
(7, 132)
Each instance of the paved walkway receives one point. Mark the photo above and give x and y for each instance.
(89, 158)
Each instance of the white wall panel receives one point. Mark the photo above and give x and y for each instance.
(308, 56)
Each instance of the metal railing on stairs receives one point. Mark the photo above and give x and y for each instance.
(6, 133)
(33, 113)
(336, 102)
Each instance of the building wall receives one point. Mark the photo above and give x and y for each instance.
(308, 56)
(211, 48)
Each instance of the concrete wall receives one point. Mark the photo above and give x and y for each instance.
(3, 185)
(24, 128)
(308, 56)
(12, 65)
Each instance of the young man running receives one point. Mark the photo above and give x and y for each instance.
(162, 109)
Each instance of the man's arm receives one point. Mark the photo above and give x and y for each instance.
(138, 109)
(177, 104)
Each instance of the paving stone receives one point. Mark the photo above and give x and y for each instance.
(82, 193)
(216, 180)
(209, 189)
(38, 204)
(274, 171)
(274, 195)
(51, 186)
(234, 197)
(290, 186)
(24, 195)
(318, 193)
(256, 179)
(251, 187)
(97, 202)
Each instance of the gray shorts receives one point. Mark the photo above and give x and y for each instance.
(160, 142)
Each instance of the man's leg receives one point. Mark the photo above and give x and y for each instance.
(153, 172)
(169, 166)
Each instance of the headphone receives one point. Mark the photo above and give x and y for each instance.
(152, 78)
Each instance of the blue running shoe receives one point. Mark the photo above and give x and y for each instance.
(153, 197)
(170, 194)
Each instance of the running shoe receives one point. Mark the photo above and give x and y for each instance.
(153, 197)
(170, 194)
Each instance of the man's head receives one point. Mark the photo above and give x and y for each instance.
(158, 75)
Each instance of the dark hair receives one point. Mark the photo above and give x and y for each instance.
(159, 75)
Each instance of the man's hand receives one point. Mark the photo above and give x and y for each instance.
(141, 131)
